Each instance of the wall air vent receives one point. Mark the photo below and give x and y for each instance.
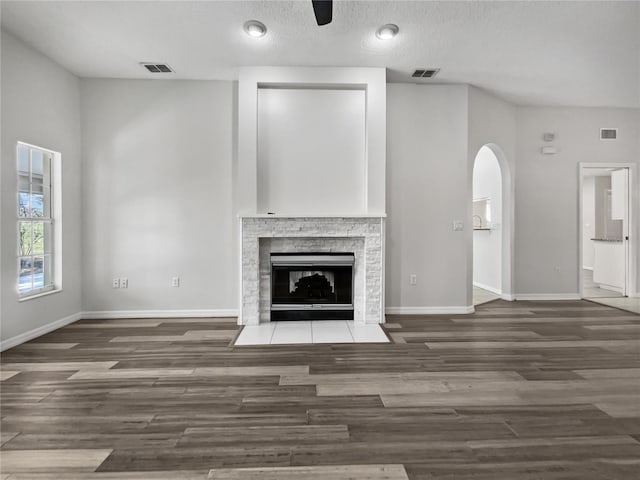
(425, 72)
(608, 133)
(157, 67)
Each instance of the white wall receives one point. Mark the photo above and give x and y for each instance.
(427, 189)
(487, 244)
(157, 173)
(588, 221)
(158, 194)
(41, 106)
(311, 151)
(253, 79)
(635, 198)
(547, 189)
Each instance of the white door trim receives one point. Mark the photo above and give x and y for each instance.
(632, 215)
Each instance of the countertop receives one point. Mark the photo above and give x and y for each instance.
(610, 240)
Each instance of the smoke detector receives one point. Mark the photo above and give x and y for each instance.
(157, 67)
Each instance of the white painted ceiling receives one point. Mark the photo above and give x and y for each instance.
(539, 53)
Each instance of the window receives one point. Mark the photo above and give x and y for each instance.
(482, 214)
(35, 220)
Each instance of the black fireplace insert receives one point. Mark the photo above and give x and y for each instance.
(312, 286)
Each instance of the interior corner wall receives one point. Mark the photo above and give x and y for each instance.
(427, 189)
(40, 106)
(158, 195)
(547, 189)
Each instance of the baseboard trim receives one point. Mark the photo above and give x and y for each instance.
(509, 297)
(106, 314)
(547, 296)
(429, 310)
(487, 287)
(613, 288)
(38, 332)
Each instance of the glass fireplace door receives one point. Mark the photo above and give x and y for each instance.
(321, 282)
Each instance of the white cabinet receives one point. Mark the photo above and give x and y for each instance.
(608, 264)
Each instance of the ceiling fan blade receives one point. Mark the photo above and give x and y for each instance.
(323, 10)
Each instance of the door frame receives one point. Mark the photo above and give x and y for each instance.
(632, 215)
(507, 223)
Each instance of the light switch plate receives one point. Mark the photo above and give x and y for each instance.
(458, 225)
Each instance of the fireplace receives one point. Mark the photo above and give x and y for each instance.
(312, 286)
(263, 235)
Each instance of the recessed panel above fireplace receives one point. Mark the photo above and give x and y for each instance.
(312, 286)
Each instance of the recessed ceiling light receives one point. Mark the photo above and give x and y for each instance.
(255, 28)
(387, 31)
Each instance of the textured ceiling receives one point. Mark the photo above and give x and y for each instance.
(543, 53)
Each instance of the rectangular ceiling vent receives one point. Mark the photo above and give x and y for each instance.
(425, 72)
(608, 133)
(157, 67)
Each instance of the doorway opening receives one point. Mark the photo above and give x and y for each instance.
(606, 249)
(491, 221)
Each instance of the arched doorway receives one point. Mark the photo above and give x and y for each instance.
(492, 225)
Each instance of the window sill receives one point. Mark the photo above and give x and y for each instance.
(38, 295)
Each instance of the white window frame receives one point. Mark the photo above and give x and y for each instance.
(54, 219)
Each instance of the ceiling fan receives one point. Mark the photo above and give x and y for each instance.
(323, 9)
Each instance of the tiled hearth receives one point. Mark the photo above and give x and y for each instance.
(317, 331)
(265, 234)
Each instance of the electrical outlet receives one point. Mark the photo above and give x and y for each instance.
(458, 225)
(115, 283)
(124, 282)
(413, 279)
(175, 282)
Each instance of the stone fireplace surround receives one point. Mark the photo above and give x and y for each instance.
(264, 234)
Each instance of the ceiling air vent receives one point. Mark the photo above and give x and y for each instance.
(425, 72)
(608, 133)
(157, 67)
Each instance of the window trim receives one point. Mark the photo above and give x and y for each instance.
(23, 298)
(55, 219)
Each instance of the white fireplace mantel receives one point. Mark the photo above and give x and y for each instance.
(280, 215)
(262, 234)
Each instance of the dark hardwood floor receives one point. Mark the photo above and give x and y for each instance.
(517, 391)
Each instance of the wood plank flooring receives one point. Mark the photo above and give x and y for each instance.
(517, 391)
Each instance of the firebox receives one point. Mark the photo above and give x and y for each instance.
(312, 286)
